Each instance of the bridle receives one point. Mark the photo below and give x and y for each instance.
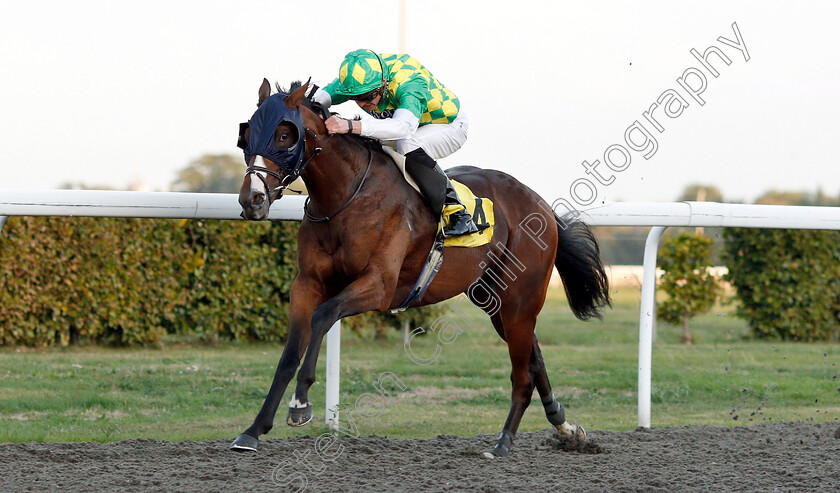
(287, 180)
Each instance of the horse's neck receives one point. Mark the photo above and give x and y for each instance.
(332, 180)
(333, 176)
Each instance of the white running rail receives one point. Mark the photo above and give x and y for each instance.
(658, 215)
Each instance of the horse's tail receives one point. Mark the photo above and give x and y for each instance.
(579, 263)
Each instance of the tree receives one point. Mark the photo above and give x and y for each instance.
(780, 197)
(691, 288)
(701, 193)
(784, 197)
(697, 192)
(211, 173)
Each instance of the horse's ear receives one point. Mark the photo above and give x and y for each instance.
(294, 99)
(265, 91)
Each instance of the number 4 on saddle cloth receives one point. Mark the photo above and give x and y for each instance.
(481, 210)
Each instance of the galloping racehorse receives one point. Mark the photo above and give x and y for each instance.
(365, 240)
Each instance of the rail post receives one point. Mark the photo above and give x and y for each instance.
(647, 316)
(333, 376)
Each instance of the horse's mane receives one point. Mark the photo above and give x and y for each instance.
(323, 113)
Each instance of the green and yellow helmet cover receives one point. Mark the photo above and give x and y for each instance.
(360, 72)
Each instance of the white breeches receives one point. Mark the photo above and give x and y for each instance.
(437, 139)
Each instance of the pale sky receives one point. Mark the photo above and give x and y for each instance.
(113, 93)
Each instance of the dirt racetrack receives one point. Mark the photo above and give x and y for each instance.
(766, 457)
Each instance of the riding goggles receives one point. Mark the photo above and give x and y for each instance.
(366, 97)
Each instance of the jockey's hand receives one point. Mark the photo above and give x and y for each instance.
(338, 125)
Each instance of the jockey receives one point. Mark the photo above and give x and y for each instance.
(414, 110)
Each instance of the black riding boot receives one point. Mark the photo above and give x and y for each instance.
(460, 222)
(438, 192)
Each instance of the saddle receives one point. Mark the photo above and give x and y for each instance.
(481, 209)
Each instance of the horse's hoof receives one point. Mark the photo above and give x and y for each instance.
(496, 454)
(502, 448)
(571, 429)
(245, 443)
(299, 416)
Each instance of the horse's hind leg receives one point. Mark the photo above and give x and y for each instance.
(515, 322)
(517, 331)
(553, 410)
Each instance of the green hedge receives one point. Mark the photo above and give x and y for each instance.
(238, 277)
(130, 281)
(787, 281)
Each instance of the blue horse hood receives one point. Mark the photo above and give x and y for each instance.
(272, 112)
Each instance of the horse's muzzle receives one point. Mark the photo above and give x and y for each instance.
(257, 199)
(254, 215)
(256, 208)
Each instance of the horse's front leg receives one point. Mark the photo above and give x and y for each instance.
(370, 292)
(304, 299)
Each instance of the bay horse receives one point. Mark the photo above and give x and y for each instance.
(365, 239)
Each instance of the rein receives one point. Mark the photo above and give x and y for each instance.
(358, 189)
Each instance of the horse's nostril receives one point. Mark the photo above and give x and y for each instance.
(258, 199)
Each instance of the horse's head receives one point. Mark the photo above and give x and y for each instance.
(274, 144)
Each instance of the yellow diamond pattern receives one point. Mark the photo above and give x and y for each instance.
(441, 105)
(359, 74)
(449, 108)
(373, 63)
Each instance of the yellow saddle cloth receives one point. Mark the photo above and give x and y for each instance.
(481, 210)
(483, 216)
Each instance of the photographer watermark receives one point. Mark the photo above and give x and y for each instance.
(291, 473)
(583, 191)
(482, 294)
(640, 136)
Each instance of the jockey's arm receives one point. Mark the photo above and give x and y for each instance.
(400, 126)
(406, 117)
(411, 95)
(322, 97)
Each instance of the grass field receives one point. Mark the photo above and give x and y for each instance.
(191, 392)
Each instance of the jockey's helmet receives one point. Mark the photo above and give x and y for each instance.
(360, 73)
